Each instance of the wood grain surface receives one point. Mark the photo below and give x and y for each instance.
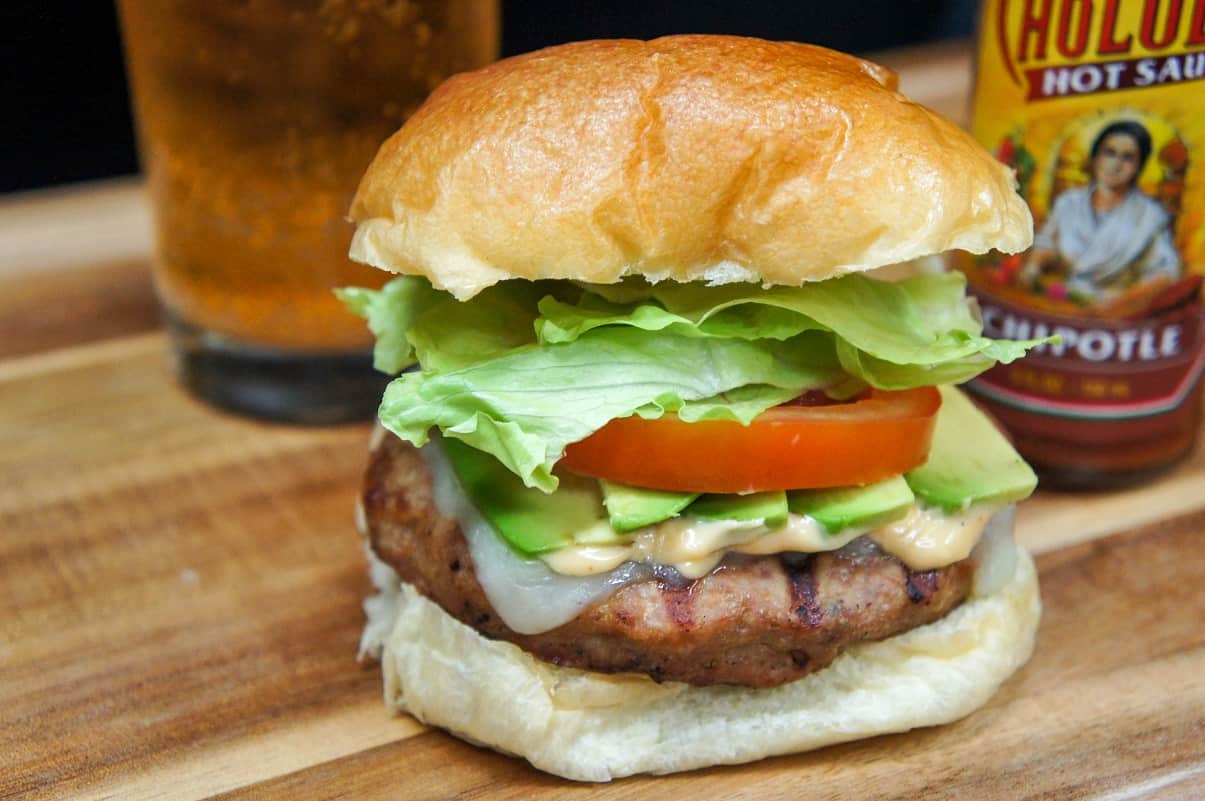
(180, 589)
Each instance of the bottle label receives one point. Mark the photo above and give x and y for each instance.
(1099, 369)
(1099, 107)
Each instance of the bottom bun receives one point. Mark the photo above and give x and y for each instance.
(596, 727)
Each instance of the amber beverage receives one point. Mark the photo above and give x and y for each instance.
(256, 119)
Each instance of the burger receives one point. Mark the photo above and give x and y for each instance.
(671, 475)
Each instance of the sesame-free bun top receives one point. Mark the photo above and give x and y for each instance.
(686, 158)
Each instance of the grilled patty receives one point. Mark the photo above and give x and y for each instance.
(754, 621)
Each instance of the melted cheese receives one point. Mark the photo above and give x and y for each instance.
(528, 596)
(533, 595)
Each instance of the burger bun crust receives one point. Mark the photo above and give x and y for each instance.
(596, 727)
(685, 158)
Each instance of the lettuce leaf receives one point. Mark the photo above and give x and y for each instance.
(450, 335)
(915, 332)
(526, 405)
(525, 368)
(390, 312)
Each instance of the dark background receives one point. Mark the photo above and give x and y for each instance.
(68, 113)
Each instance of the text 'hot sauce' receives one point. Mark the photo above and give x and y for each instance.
(1099, 106)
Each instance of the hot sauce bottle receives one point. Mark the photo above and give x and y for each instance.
(1099, 106)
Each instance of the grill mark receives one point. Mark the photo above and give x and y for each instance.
(920, 586)
(801, 582)
(679, 605)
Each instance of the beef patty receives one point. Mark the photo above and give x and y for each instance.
(757, 621)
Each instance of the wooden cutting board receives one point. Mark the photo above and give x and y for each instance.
(179, 609)
(180, 591)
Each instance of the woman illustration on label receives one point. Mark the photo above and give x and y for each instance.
(1109, 237)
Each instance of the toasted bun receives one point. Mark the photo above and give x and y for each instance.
(688, 158)
(595, 727)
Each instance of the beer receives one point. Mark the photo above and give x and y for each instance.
(256, 119)
(1097, 106)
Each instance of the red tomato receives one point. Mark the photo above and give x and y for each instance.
(788, 447)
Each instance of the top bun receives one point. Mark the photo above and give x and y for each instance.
(687, 158)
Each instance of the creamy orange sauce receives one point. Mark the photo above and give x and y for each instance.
(923, 539)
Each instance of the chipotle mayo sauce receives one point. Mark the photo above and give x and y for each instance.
(1099, 106)
(923, 539)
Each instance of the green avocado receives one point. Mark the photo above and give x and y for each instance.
(970, 461)
(630, 508)
(770, 507)
(529, 520)
(841, 507)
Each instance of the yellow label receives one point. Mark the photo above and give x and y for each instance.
(1099, 106)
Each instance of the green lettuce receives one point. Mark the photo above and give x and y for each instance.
(525, 368)
(915, 332)
(416, 324)
(526, 405)
(390, 312)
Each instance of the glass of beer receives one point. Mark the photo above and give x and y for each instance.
(256, 119)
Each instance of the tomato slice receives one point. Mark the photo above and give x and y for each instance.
(879, 435)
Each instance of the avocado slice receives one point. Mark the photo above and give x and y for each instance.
(529, 520)
(768, 506)
(841, 507)
(970, 461)
(630, 508)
